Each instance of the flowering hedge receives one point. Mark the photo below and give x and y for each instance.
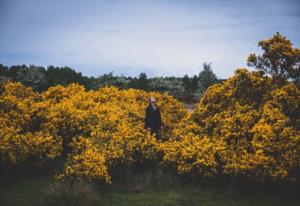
(95, 129)
(245, 127)
(21, 135)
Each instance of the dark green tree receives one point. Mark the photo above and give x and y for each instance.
(194, 83)
(64, 76)
(142, 82)
(3, 73)
(32, 76)
(207, 77)
(186, 83)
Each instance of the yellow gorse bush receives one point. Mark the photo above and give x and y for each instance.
(20, 137)
(245, 127)
(250, 126)
(95, 129)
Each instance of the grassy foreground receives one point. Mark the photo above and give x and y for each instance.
(28, 189)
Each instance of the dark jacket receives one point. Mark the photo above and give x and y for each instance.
(153, 118)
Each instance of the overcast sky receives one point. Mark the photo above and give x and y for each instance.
(158, 37)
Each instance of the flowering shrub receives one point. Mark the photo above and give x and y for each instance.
(246, 126)
(19, 138)
(95, 129)
(117, 134)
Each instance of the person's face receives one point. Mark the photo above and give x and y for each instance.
(153, 103)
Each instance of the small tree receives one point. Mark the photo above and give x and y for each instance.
(3, 73)
(186, 83)
(207, 77)
(279, 59)
(142, 82)
(32, 76)
(194, 83)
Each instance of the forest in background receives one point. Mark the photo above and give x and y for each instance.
(187, 89)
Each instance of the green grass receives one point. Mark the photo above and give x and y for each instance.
(191, 197)
(28, 189)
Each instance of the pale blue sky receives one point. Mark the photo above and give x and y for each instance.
(159, 37)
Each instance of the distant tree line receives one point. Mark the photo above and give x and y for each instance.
(186, 88)
(279, 60)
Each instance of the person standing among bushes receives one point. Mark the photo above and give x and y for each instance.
(152, 118)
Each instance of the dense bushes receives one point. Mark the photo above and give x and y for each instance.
(21, 135)
(245, 127)
(250, 126)
(95, 129)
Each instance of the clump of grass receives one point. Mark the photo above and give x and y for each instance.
(71, 193)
